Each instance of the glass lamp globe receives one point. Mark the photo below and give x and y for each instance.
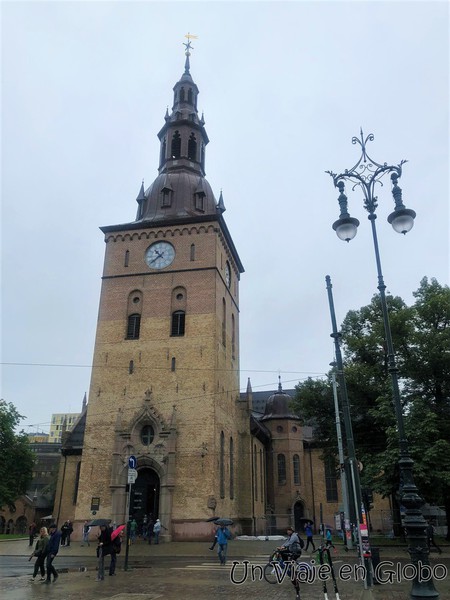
(346, 228)
(402, 220)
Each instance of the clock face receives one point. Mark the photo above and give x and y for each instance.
(227, 274)
(159, 255)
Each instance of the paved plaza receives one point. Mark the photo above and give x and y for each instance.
(188, 570)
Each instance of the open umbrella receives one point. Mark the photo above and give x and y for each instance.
(117, 531)
(212, 519)
(224, 522)
(100, 522)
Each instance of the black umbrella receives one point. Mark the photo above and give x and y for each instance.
(100, 522)
(212, 519)
(305, 520)
(224, 522)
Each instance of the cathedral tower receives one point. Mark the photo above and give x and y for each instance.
(165, 375)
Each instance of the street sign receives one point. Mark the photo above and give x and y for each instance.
(132, 475)
(132, 462)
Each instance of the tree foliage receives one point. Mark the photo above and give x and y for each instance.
(17, 458)
(421, 337)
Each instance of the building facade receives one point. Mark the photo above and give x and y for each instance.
(165, 378)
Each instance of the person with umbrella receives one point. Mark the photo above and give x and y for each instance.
(223, 535)
(116, 545)
(103, 549)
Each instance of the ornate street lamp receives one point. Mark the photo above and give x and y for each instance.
(365, 175)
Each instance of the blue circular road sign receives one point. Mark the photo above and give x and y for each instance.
(132, 462)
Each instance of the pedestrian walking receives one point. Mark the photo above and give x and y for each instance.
(223, 535)
(86, 530)
(66, 531)
(150, 526)
(116, 546)
(133, 530)
(157, 530)
(52, 551)
(329, 540)
(309, 538)
(40, 553)
(103, 549)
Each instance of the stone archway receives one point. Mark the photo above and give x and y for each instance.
(146, 495)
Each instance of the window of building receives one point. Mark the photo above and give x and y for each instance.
(133, 326)
(147, 435)
(330, 479)
(173, 363)
(192, 251)
(127, 258)
(166, 198)
(261, 470)
(176, 145)
(182, 95)
(222, 465)
(296, 467)
(224, 321)
(178, 323)
(199, 201)
(281, 462)
(131, 367)
(192, 147)
(189, 99)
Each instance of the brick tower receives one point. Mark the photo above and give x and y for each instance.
(165, 376)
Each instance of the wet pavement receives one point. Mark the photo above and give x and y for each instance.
(187, 570)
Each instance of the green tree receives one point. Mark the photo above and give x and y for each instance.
(421, 337)
(17, 461)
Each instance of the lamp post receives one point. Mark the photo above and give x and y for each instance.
(366, 174)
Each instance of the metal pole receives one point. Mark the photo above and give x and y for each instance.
(347, 541)
(414, 521)
(344, 399)
(365, 174)
(127, 518)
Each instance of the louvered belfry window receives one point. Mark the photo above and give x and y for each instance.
(133, 326)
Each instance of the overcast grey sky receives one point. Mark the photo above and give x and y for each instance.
(284, 87)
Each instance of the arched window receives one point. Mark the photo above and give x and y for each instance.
(176, 145)
(224, 321)
(222, 465)
(127, 258)
(189, 96)
(131, 367)
(182, 95)
(281, 462)
(192, 147)
(231, 468)
(163, 151)
(147, 435)
(133, 326)
(296, 468)
(192, 251)
(173, 363)
(178, 321)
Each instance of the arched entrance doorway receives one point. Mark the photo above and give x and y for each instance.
(299, 513)
(145, 495)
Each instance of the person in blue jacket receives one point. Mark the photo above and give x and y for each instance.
(52, 551)
(223, 535)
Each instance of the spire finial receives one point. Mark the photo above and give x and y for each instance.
(188, 46)
(280, 389)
